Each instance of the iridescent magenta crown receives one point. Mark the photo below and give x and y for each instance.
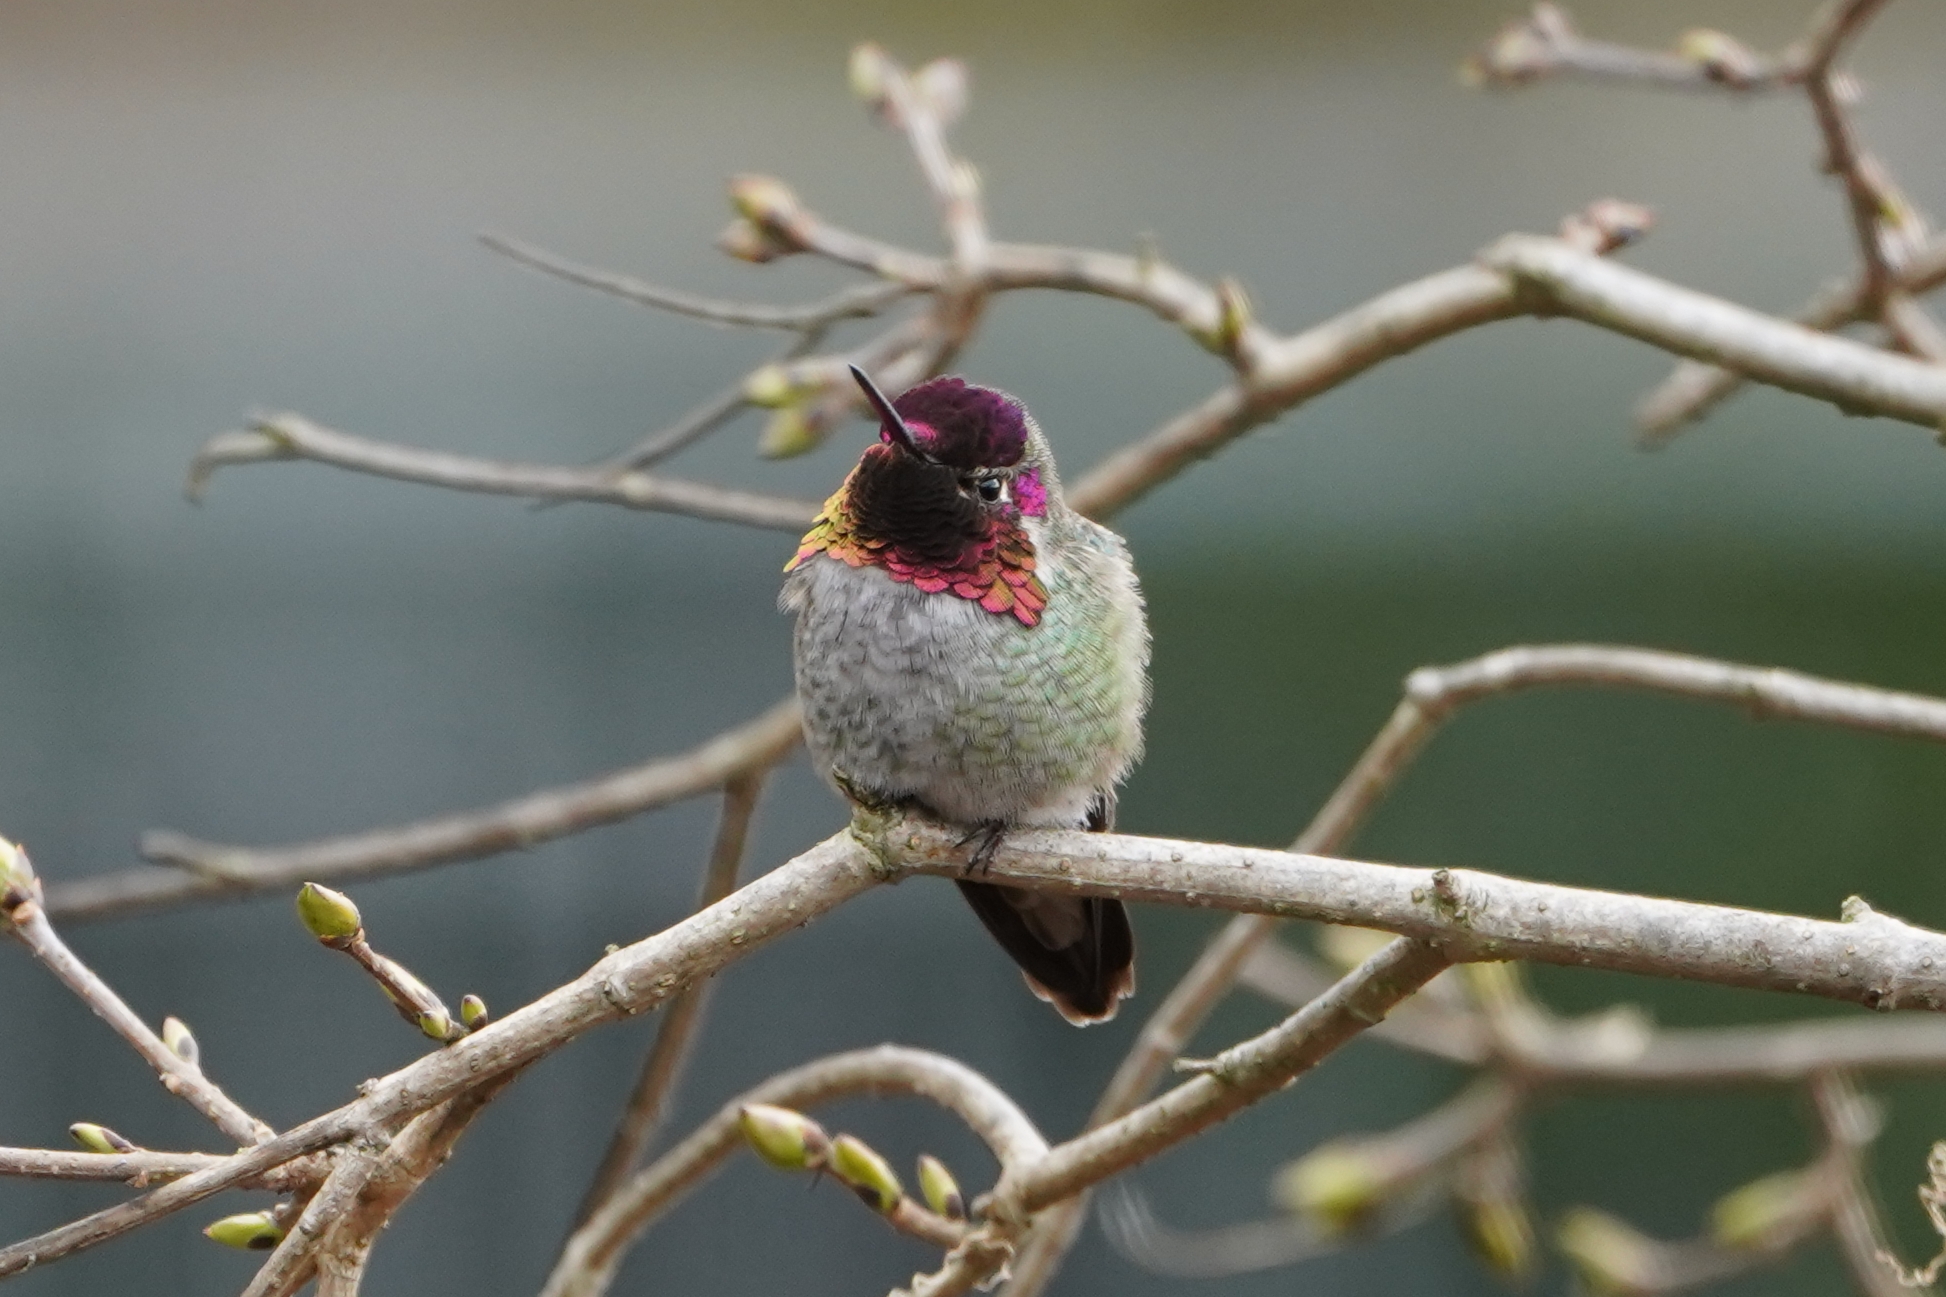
(964, 426)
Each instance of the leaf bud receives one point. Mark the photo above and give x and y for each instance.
(870, 71)
(792, 431)
(253, 1231)
(473, 1012)
(764, 201)
(941, 86)
(329, 915)
(789, 1141)
(1766, 1212)
(17, 880)
(1610, 1255)
(1337, 1187)
(1502, 1236)
(100, 1139)
(176, 1035)
(940, 1190)
(869, 1175)
(749, 242)
(437, 1023)
(1719, 56)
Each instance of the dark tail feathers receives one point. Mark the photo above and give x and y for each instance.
(1085, 978)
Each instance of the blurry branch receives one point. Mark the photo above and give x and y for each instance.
(682, 1019)
(1620, 1046)
(588, 1262)
(1432, 696)
(289, 436)
(1850, 1123)
(1932, 1196)
(24, 916)
(859, 302)
(1358, 1187)
(212, 870)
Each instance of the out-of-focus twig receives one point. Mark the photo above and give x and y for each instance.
(682, 1019)
(213, 870)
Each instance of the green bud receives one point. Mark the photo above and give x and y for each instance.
(1757, 1215)
(1234, 316)
(764, 201)
(176, 1035)
(17, 880)
(1502, 1236)
(329, 915)
(1346, 948)
(869, 1175)
(100, 1139)
(1336, 1187)
(1611, 1256)
(789, 1141)
(254, 1231)
(870, 70)
(791, 431)
(472, 1012)
(748, 242)
(437, 1023)
(1720, 56)
(940, 1190)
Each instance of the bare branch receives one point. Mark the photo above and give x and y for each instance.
(138, 1169)
(28, 921)
(1433, 695)
(647, 1104)
(290, 436)
(1870, 958)
(1545, 43)
(1850, 1123)
(1844, 157)
(629, 981)
(1694, 388)
(859, 302)
(213, 870)
(1617, 1047)
(588, 1262)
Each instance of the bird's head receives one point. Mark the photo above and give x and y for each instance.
(948, 498)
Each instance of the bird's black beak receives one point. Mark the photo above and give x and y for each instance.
(888, 418)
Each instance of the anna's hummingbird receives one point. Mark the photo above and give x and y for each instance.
(969, 646)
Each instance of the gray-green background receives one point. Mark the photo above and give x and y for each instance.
(219, 205)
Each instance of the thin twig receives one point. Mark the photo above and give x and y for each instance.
(588, 1263)
(291, 436)
(29, 922)
(1850, 1123)
(212, 870)
(138, 1169)
(662, 1068)
(858, 302)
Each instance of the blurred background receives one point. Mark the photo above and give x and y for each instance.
(216, 206)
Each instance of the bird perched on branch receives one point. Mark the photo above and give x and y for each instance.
(969, 646)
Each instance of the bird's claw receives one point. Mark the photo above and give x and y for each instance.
(981, 861)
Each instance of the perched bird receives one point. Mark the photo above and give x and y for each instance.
(969, 646)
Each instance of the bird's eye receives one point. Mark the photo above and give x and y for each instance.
(990, 489)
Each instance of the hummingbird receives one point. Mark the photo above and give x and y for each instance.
(970, 647)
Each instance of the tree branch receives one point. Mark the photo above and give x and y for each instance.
(588, 1263)
(291, 436)
(213, 870)
(682, 1020)
(859, 302)
(28, 921)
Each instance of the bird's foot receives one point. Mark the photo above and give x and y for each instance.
(981, 861)
(870, 799)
